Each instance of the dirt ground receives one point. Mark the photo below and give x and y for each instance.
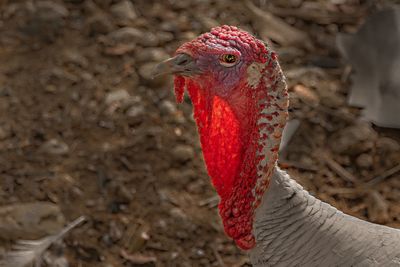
(83, 126)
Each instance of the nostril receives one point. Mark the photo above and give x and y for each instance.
(183, 60)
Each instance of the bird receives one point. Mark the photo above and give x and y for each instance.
(240, 105)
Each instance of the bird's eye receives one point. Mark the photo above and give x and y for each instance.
(228, 60)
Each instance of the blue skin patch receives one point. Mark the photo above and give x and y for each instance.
(224, 78)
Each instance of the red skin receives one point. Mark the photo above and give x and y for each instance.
(229, 132)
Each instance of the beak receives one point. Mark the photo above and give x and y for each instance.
(182, 64)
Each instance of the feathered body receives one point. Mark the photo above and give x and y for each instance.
(293, 228)
(240, 105)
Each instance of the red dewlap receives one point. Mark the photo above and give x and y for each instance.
(179, 84)
(229, 149)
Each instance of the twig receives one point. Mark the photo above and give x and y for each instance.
(211, 201)
(346, 191)
(338, 169)
(218, 257)
(126, 163)
(383, 176)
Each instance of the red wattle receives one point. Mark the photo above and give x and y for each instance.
(179, 85)
(230, 159)
(246, 243)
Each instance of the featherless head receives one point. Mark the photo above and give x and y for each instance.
(240, 106)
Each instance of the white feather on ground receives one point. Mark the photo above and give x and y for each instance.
(29, 252)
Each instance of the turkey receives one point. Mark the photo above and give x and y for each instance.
(240, 103)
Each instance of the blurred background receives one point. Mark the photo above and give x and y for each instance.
(84, 130)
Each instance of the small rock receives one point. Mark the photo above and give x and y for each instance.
(45, 20)
(115, 231)
(179, 118)
(120, 49)
(125, 35)
(55, 259)
(30, 220)
(50, 88)
(198, 253)
(167, 107)
(169, 26)
(124, 11)
(182, 153)
(99, 24)
(90, 203)
(135, 111)
(182, 219)
(151, 54)
(181, 177)
(116, 96)
(130, 35)
(387, 144)
(74, 57)
(51, 8)
(355, 139)
(164, 37)
(307, 161)
(146, 70)
(188, 36)
(149, 39)
(174, 255)
(87, 76)
(5, 132)
(55, 147)
(365, 161)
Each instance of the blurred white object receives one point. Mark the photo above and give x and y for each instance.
(374, 53)
(28, 252)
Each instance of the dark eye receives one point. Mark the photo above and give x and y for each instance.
(228, 60)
